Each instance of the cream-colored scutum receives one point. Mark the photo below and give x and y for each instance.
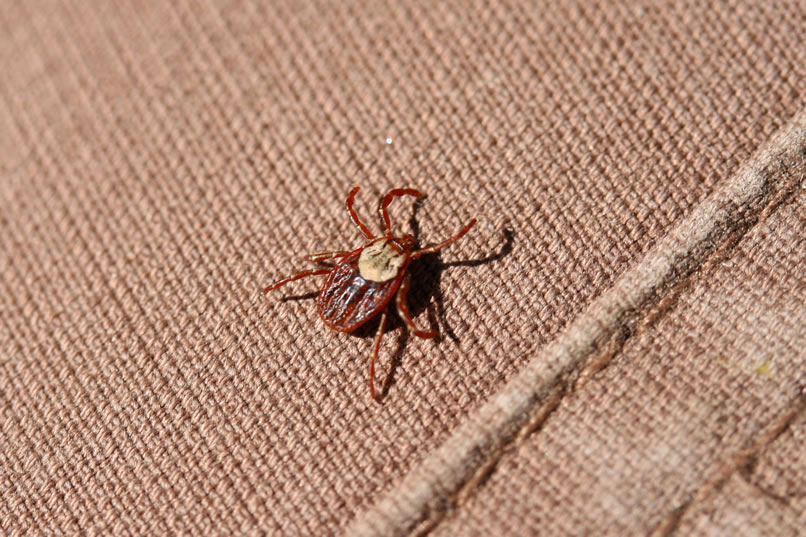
(381, 261)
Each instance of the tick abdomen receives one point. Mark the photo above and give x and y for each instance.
(348, 299)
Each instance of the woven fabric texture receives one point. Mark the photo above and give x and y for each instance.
(163, 161)
(765, 498)
(696, 398)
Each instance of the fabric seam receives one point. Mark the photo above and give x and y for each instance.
(733, 463)
(449, 474)
(615, 345)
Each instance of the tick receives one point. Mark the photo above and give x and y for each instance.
(363, 282)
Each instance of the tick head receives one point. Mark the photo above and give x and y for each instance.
(407, 242)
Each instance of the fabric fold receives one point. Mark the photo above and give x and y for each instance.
(419, 500)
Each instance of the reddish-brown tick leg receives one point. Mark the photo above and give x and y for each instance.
(319, 257)
(354, 215)
(403, 310)
(295, 277)
(375, 349)
(447, 242)
(387, 199)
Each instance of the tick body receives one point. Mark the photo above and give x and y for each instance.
(365, 282)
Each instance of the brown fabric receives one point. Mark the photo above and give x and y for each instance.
(767, 497)
(697, 399)
(588, 345)
(163, 161)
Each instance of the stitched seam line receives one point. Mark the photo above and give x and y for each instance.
(449, 473)
(737, 461)
(615, 345)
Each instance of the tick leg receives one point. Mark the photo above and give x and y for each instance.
(319, 257)
(375, 349)
(403, 310)
(387, 199)
(354, 215)
(447, 242)
(295, 277)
